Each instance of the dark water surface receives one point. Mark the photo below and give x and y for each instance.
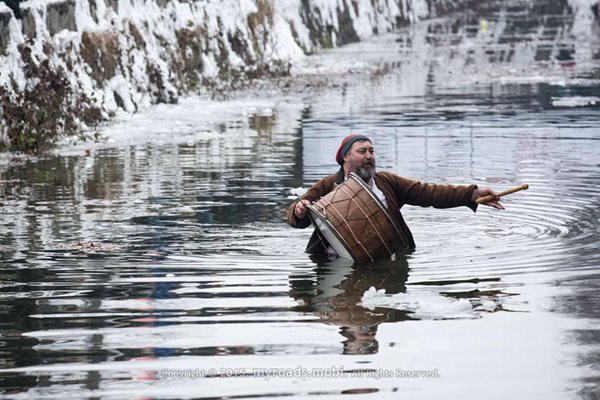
(159, 264)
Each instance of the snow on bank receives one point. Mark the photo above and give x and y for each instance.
(192, 120)
(143, 51)
(129, 54)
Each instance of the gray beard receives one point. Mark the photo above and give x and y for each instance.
(366, 174)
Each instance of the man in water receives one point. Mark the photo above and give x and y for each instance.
(357, 154)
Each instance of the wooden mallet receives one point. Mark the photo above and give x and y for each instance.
(513, 189)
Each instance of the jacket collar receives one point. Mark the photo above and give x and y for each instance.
(339, 177)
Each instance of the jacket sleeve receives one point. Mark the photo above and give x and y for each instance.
(423, 194)
(318, 190)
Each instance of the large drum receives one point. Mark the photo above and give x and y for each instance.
(356, 223)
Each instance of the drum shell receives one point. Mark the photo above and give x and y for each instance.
(359, 218)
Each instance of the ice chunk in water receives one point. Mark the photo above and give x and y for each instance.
(422, 305)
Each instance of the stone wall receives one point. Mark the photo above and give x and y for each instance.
(127, 54)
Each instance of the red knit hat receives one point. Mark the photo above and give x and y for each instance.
(347, 144)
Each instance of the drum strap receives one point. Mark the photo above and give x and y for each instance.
(371, 222)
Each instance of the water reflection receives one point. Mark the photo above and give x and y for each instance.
(335, 295)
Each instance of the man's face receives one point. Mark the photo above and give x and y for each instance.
(361, 160)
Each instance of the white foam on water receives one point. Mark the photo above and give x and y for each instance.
(424, 305)
(575, 101)
(297, 192)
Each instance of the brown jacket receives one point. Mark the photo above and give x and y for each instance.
(398, 192)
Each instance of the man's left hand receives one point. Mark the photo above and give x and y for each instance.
(477, 193)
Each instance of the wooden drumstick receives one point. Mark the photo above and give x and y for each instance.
(513, 189)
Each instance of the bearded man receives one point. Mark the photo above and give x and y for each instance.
(357, 154)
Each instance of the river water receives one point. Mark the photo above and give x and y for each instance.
(157, 263)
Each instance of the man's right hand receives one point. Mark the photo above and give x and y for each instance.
(300, 209)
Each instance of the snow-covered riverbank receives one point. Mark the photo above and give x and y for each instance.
(69, 62)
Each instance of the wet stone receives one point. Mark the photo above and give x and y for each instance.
(5, 17)
(61, 16)
(29, 28)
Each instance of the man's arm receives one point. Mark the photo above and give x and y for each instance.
(439, 195)
(297, 214)
(422, 194)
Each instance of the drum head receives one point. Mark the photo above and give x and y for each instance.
(336, 242)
